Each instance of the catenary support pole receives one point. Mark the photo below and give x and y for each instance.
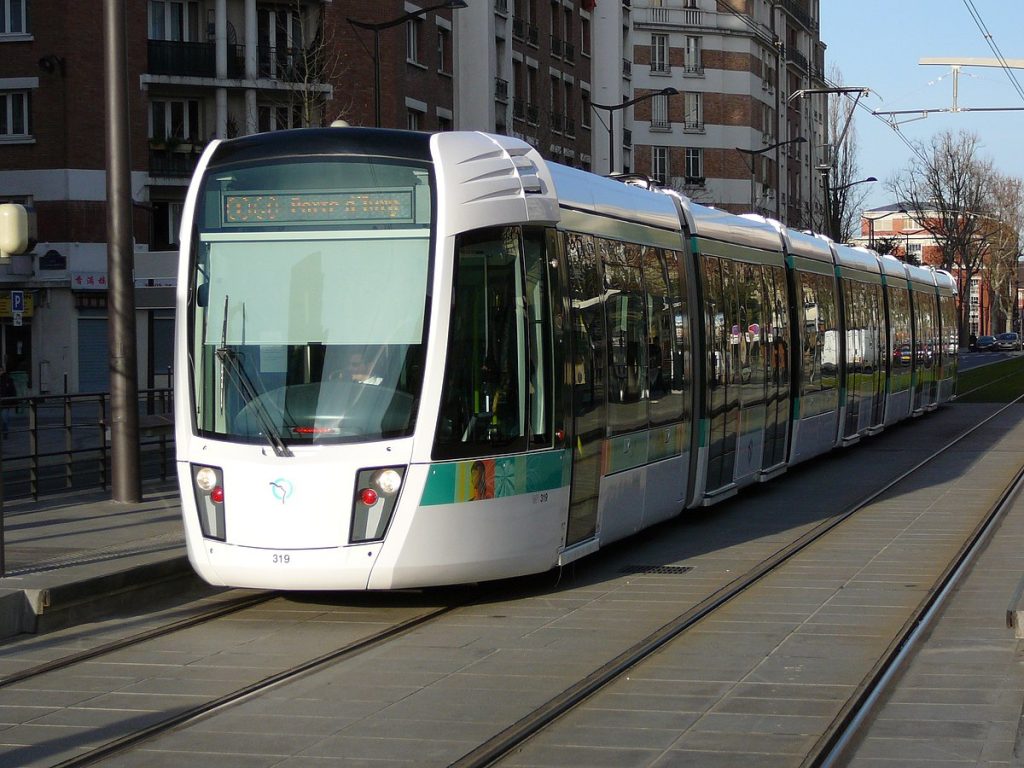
(124, 390)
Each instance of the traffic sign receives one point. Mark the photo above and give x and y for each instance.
(17, 301)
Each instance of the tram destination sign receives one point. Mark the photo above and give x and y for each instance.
(372, 206)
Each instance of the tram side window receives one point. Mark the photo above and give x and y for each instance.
(820, 353)
(665, 316)
(484, 408)
(627, 342)
(899, 328)
(588, 336)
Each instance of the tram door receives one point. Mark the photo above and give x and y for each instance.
(722, 377)
(589, 376)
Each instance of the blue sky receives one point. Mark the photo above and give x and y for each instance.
(878, 43)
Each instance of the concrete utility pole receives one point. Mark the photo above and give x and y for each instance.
(124, 385)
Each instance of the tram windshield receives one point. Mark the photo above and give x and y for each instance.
(309, 300)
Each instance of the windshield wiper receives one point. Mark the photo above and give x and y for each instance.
(237, 373)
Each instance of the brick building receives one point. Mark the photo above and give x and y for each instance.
(739, 67)
(202, 69)
(197, 69)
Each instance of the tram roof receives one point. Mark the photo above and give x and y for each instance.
(752, 231)
(379, 142)
(856, 258)
(586, 191)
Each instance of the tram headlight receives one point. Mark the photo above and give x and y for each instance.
(376, 494)
(208, 487)
(388, 480)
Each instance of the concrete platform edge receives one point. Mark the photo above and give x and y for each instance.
(41, 610)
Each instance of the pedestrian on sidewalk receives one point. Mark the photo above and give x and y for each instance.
(7, 393)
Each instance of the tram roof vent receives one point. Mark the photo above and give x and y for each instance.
(528, 173)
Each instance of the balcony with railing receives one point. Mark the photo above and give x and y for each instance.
(796, 9)
(627, 137)
(627, 68)
(171, 162)
(660, 124)
(676, 17)
(501, 90)
(556, 46)
(794, 56)
(181, 59)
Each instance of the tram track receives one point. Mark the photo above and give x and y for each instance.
(138, 638)
(836, 743)
(78, 663)
(842, 730)
(193, 713)
(545, 716)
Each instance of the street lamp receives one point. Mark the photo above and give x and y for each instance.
(831, 211)
(611, 122)
(841, 187)
(750, 161)
(376, 28)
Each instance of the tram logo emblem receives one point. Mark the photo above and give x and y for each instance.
(281, 488)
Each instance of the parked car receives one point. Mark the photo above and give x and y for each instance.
(1008, 341)
(985, 344)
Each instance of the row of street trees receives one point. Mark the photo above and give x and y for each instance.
(974, 214)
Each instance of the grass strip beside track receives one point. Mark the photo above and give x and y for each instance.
(999, 382)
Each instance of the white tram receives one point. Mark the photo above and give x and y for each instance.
(407, 360)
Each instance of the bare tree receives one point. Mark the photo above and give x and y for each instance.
(312, 70)
(944, 188)
(1005, 216)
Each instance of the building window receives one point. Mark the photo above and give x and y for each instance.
(178, 119)
(13, 17)
(585, 36)
(585, 109)
(174, 20)
(659, 164)
(694, 165)
(659, 53)
(412, 120)
(412, 40)
(693, 117)
(691, 56)
(444, 59)
(15, 114)
(659, 113)
(280, 118)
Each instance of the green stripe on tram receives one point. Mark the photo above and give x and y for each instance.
(503, 476)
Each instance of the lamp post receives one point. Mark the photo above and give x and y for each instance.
(831, 211)
(611, 121)
(378, 27)
(753, 173)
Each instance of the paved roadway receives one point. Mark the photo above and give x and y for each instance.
(423, 702)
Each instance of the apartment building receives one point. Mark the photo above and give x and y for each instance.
(197, 70)
(524, 71)
(741, 134)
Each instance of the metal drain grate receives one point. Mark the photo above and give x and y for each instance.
(658, 570)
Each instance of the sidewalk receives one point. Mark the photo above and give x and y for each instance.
(71, 557)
